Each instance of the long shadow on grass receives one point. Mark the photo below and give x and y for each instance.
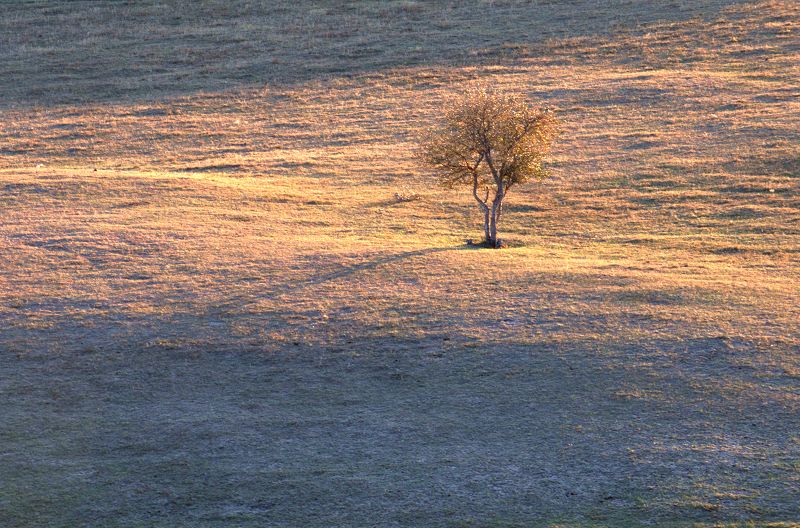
(240, 301)
(375, 263)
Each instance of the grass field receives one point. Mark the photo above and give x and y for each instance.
(214, 311)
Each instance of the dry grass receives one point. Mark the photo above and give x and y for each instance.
(85, 51)
(215, 310)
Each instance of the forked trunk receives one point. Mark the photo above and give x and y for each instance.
(483, 204)
(497, 205)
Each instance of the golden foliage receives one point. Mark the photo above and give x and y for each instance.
(491, 136)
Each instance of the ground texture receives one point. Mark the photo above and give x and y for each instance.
(230, 297)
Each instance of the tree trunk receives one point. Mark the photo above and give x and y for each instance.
(497, 205)
(486, 225)
(492, 239)
(483, 205)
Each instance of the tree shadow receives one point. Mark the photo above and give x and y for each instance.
(376, 263)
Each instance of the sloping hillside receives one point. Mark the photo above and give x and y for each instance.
(215, 311)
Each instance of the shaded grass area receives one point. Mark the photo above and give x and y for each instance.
(83, 51)
(409, 433)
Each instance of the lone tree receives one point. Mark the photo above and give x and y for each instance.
(490, 141)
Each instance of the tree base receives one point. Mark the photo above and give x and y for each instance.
(500, 244)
